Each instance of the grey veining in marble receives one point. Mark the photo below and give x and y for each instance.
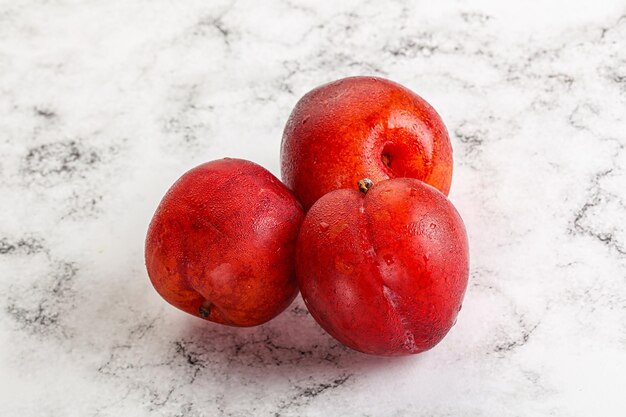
(104, 104)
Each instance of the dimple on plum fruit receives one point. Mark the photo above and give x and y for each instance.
(221, 244)
(384, 270)
(361, 127)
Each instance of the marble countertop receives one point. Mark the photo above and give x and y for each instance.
(104, 104)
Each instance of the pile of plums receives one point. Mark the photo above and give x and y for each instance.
(361, 225)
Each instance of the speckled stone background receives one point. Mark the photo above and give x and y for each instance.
(104, 104)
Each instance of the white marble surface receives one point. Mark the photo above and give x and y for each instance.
(104, 104)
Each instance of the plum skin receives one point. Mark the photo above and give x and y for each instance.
(221, 244)
(360, 127)
(384, 272)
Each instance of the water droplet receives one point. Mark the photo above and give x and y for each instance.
(433, 225)
(413, 192)
(388, 259)
(324, 226)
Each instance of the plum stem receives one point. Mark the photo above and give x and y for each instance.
(365, 184)
(205, 309)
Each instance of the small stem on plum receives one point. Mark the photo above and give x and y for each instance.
(205, 309)
(365, 184)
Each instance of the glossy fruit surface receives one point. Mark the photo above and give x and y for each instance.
(384, 272)
(221, 244)
(362, 127)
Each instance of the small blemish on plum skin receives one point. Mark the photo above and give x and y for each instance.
(386, 159)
